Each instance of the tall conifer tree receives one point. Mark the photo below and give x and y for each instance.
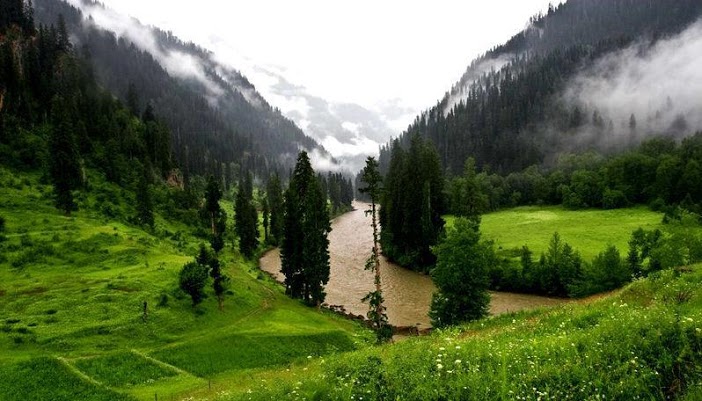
(376, 313)
(304, 250)
(246, 218)
(64, 163)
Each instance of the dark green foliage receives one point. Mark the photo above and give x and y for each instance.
(265, 217)
(144, 203)
(204, 256)
(2, 224)
(246, 218)
(213, 194)
(608, 271)
(277, 210)
(465, 195)
(16, 13)
(461, 275)
(496, 116)
(559, 268)
(220, 283)
(339, 190)
(64, 166)
(192, 279)
(304, 249)
(370, 176)
(614, 199)
(233, 134)
(412, 205)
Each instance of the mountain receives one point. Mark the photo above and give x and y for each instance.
(348, 131)
(587, 75)
(220, 123)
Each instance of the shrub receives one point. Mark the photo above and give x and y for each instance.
(193, 278)
(461, 275)
(614, 199)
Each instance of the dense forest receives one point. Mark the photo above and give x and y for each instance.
(54, 116)
(219, 123)
(57, 119)
(506, 110)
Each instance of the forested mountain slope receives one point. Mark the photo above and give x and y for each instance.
(219, 121)
(590, 74)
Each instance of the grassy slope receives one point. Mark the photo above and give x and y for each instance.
(588, 231)
(71, 296)
(643, 342)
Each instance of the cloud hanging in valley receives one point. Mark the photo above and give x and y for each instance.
(660, 84)
(178, 64)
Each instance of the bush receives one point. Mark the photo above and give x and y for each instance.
(614, 199)
(2, 224)
(607, 272)
(193, 278)
(461, 276)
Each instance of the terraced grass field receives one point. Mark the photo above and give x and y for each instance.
(71, 308)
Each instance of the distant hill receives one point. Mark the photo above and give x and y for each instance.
(589, 74)
(219, 121)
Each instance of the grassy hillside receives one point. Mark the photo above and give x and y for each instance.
(588, 231)
(71, 306)
(643, 342)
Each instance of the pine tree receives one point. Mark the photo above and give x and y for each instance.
(412, 205)
(144, 205)
(376, 313)
(266, 223)
(304, 249)
(461, 275)
(64, 163)
(277, 210)
(220, 282)
(315, 253)
(246, 218)
(213, 193)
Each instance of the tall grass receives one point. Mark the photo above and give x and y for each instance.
(643, 343)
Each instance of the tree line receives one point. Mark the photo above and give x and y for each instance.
(497, 115)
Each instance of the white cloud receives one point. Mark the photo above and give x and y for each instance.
(361, 52)
(357, 146)
(353, 127)
(657, 84)
(177, 63)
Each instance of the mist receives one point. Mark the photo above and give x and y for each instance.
(176, 63)
(659, 84)
(477, 69)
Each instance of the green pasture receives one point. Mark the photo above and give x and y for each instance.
(72, 293)
(588, 231)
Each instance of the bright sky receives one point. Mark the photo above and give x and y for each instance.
(363, 51)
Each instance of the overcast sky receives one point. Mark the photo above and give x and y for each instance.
(367, 52)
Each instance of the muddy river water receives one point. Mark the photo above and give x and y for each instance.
(407, 293)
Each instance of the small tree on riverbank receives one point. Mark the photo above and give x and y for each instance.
(461, 275)
(376, 313)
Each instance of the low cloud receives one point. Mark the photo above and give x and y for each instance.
(660, 84)
(176, 63)
(477, 69)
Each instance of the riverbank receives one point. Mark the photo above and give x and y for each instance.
(407, 293)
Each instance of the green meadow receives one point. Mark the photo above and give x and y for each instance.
(72, 326)
(641, 342)
(72, 291)
(588, 231)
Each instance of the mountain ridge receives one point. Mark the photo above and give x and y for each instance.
(220, 123)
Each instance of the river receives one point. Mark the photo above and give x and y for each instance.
(407, 293)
